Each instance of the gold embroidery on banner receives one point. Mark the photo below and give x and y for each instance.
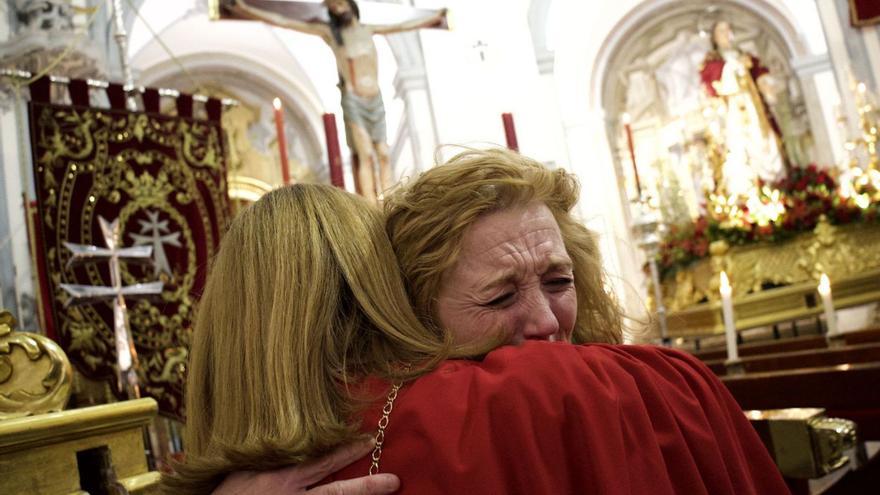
(181, 167)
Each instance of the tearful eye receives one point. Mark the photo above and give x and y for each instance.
(560, 282)
(501, 300)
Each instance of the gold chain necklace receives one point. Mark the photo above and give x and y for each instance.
(383, 423)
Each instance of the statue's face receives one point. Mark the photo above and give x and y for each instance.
(338, 7)
(722, 35)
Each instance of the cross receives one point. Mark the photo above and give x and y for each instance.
(348, 30)
(126, 355)
(481, 46)
(154, 230)
(315, 11)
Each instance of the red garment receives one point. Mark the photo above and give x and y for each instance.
(713, 65)
(711, 70)
(559, 418)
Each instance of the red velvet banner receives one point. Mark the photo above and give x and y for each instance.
(864, 12)
(164, 178)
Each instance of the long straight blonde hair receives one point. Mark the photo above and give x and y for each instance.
(304, 297)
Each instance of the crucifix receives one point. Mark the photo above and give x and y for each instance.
(126, 355)
(338, 23)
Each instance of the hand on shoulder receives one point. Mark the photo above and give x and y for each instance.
(298, 479)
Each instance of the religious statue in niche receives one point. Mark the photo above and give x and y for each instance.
(740, 90)
(357, 62)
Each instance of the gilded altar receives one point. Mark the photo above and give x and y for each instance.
(775, 282)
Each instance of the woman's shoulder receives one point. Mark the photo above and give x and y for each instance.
(537, 359)
(554, 418)
(550, 372)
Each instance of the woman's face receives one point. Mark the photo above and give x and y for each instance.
(513, 276)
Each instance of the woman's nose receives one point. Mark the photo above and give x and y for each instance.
(538, 320)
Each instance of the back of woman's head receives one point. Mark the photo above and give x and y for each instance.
(304, 295)
(427, 218)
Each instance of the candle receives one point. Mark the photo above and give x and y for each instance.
(282, 142)
(333, 154)
(632, 152)
(830, 316)
(509, 131)
(727, 311)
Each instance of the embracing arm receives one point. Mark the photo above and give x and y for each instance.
(243, 9)
(297, 479)
(420, 22)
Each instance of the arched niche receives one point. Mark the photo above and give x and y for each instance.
(649, 70)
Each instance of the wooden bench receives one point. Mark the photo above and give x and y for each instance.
(811, 358)
(802, 343)
(850, 391)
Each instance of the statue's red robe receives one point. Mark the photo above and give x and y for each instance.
(559, 418)
(710, 72)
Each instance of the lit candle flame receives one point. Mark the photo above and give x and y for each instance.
(824, 285)
(725, 285)
(276, 103)
(862, 88)
(625, 118)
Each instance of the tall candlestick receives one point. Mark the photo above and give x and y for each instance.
(333, 154)
(727, 311)
(282, 142)
(828, 303)
(632, 152)
(510, 131)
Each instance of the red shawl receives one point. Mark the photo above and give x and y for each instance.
(560, 418)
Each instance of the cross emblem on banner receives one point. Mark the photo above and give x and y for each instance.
(113, 253)
(157, 235)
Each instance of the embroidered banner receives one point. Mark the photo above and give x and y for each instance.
(164, 178)
(864, 12)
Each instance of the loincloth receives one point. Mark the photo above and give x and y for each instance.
(368, 113)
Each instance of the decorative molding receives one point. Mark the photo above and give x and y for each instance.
(411, 79)
(809, 65)
(546, 62)
(35, 375)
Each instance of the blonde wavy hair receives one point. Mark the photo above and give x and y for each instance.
(304, 297)
(427, 218)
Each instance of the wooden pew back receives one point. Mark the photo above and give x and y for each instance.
(850, 391)
(811, 358)
(871, 335)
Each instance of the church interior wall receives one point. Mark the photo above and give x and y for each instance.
(546, 69)
(580, 71)
(856, 42)
(487, 69)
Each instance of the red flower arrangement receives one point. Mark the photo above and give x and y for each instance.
(806, 194)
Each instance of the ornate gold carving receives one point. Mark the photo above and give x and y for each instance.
(35, 375)
(839, 251)
(804, 442)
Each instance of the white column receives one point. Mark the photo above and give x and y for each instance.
(834, 35)
(601, 209)
(828, 141)
(15, 170)
(871, 37)
(412, 86)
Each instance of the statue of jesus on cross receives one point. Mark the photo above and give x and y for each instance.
(356, 60)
